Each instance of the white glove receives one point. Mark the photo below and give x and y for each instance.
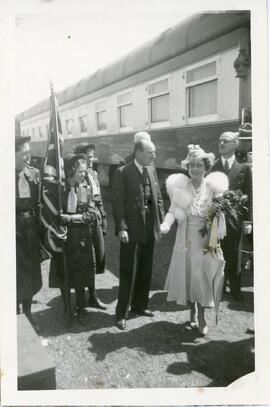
(164, 228)
(247, 228)
(123, 236)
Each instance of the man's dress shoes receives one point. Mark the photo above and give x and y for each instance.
(121, 324)
(144, 312)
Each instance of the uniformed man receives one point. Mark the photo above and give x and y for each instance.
(240, 178)
(243, 152)
(27, 183)
(101, 229)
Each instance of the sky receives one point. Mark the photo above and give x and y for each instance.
(65, 40)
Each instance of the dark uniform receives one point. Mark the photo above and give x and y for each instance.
(78, 247)
(28, 268)
(100, 227)
(98, 239)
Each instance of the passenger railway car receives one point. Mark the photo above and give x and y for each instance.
(187, 85)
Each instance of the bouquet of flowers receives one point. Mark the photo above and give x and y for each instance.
(231, 206)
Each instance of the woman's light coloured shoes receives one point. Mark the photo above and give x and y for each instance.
(193, 318)
(202, 328)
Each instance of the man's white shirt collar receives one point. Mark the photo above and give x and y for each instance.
(139, 166)
(230, 161)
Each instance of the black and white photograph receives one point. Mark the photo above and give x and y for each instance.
(138, 176)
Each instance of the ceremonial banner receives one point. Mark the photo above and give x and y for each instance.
(53, 181)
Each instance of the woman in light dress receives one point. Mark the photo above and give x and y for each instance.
(191, 198)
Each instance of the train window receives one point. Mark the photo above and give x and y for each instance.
(27, 133)
(101, 115)
(159, 108)
(69, 126)
(202, 99)
(47, 130)
(33, 133)
(101, 120)
(83, 124)
(40, 132)
(23, 133)
(202, 90)
(126, 115)
(125, 110)
(158, 101)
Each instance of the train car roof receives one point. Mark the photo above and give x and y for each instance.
(188, 34)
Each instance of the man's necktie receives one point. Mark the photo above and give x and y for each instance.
(226, 167)
(72, 201)
(23, 186)
(144, 175)
(146, 187)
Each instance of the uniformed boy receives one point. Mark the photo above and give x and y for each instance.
(27, 183)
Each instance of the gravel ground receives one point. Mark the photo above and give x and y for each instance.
(152, 352)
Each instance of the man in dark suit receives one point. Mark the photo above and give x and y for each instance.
(240, 178)
(138, 212)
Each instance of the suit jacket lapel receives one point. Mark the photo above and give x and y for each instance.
(234, 170)
(218, 166)
(152, 182)
(137, 187)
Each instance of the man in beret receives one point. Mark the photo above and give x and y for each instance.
(101, 228)
(27, 183)
(240, 178)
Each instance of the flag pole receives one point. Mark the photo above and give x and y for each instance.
(67, 304)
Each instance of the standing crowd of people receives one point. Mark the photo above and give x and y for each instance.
(139, 222)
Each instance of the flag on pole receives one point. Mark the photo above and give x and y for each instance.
(53, 183)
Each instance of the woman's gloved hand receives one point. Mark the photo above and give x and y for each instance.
(164, 228)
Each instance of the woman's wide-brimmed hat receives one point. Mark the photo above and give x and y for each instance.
(83, 147)
(195, 152)
(19, 141)
(71, 158)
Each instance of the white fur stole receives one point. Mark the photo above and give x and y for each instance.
(176, 185)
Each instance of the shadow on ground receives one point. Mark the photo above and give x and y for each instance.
(158, 302)
(52, 321)
(247, 305)
(222, 361)
(166, 337)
